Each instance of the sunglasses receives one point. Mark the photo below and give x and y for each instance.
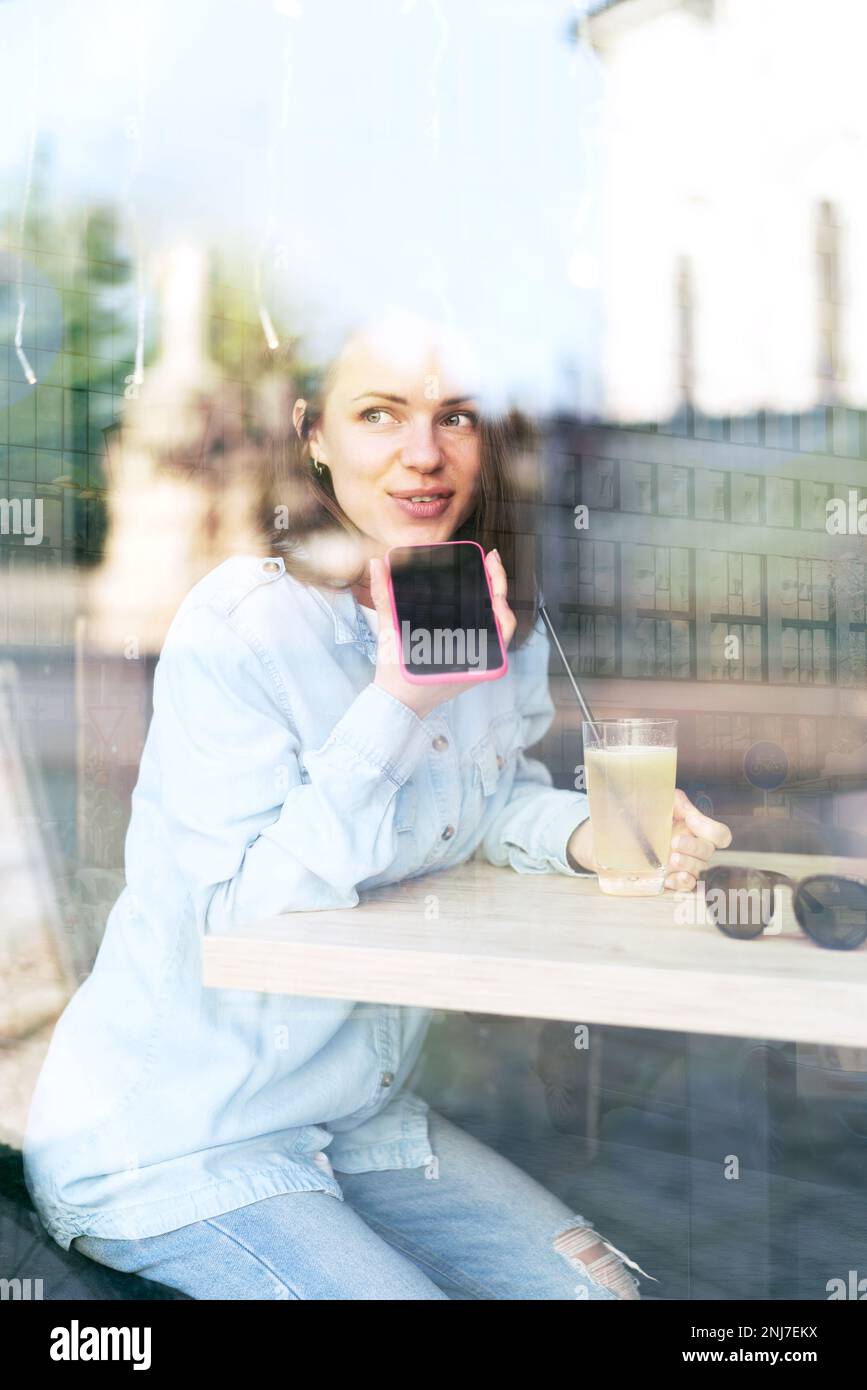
(830, 908)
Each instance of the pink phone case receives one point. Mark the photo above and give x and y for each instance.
(455, 677)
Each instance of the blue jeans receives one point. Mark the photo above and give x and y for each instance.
(474, 1227)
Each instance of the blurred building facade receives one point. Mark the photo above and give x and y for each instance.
(143, 485)
(708, 580)
(706, 586)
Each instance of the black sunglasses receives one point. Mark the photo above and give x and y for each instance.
(830, 908)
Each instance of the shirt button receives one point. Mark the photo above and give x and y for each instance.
(501, 761)
(448, 832)
(271, 566)
(387, 1078)
(440, 743)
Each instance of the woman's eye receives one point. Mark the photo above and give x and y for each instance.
(375, 414)
(374, 410)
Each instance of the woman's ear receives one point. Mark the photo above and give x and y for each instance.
(299, 410)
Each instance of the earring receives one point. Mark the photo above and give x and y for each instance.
(318, 468)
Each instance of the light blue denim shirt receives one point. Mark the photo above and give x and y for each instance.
(275, 777)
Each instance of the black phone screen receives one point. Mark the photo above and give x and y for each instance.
(445, 619)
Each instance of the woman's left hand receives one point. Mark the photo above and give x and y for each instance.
(694, 839)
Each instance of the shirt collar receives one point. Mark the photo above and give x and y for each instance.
(349, 621)
(350, 625)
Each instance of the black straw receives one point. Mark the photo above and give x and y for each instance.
(585, 708)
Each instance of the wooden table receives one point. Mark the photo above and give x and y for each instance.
(489, 940)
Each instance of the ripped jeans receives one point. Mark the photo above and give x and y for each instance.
(471, 1225)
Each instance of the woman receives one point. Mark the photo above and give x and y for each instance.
(198, 1136)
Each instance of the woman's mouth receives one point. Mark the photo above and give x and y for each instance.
(424, 506)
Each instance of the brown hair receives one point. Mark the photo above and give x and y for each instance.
(503, 517)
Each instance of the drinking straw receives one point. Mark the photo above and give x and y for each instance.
(585, 708)
(646, 847)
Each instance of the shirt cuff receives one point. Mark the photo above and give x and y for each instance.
(556, 830)
(384, 731)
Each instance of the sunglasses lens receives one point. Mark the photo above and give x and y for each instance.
(739, 901)
(833, 911)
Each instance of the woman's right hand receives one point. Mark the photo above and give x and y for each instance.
(423, 699)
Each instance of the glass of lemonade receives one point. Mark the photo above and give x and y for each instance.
(630, 767)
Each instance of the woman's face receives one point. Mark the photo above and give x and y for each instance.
(400, 434)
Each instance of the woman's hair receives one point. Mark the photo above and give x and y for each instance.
(300, 507)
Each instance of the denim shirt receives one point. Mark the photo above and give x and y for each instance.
(275, 777)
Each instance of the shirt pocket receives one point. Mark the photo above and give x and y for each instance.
(493, 758)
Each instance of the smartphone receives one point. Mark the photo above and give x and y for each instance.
(443, 610)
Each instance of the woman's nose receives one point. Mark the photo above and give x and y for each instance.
(422, 451)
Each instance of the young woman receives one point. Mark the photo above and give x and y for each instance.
(254, 1145)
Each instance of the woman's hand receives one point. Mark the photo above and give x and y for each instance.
(694, 840)
(422, 699)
